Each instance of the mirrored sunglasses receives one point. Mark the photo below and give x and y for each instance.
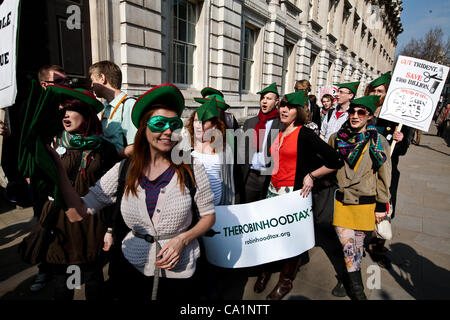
(360, 112)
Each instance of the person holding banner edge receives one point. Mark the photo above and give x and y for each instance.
(403, 138)
(156, 203)
(300, 158)
(363, 185)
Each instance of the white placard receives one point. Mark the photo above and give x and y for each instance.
(414, 92)
(327, 90)
(262, 231)
(8, 35)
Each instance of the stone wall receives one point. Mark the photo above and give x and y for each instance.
(331, 40)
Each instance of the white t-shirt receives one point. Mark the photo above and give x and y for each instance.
(258, 160)
(212, 164)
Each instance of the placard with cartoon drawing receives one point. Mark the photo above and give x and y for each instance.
(414, 92)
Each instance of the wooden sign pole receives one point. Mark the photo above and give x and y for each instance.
(398, 129)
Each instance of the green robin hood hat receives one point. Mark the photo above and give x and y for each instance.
(207, 111)
(352, 86)
(219, 99)
(370, 102)
(271, 88)
(79, 94)
(166, 94)
(207, 91)
(384, 78)
(297, 98)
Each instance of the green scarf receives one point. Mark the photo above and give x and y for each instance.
(76, 142)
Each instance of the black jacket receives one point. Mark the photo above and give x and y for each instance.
(315, 113)
(246, 151)
(312, 153)
(387, 128)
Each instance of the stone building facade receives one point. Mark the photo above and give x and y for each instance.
(241, 46)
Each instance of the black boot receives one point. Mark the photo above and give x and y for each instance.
(356, 286)
(339, 289)
(261, 282)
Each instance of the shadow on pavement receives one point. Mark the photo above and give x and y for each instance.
(10, 233)
(22, 292)
(11, 263)
(432, 149)
(5, 205)
(418, 276)
(298, 297)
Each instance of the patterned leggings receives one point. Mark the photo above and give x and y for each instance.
(352, 242)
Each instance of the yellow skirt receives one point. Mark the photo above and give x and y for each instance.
(356, 217)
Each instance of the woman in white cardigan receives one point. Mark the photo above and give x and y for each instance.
(156, 203)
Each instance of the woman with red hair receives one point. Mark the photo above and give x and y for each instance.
(84, 157)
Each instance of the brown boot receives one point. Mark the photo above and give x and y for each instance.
(261, 282)
(287, 276)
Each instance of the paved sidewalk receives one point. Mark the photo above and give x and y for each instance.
(420, 249)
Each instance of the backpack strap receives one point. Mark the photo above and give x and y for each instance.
(329, 115)
(190, 184)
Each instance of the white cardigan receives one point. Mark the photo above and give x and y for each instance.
(172, 215)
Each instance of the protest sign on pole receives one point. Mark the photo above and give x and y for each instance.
(9, 10)
(262, 231)
(9, 13)
(414, 92)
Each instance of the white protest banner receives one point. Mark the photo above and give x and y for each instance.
(414, 92)
(327, 90)
(8, 34)
(262, 231)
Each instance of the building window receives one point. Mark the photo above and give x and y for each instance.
(183, 43)
(286, 72)
(248, 46)
(313, 71)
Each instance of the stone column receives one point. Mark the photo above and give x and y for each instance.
(225, 47)
(303, 59)
(140, 38)
(273, 54)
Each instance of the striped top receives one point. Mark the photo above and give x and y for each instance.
(212, 165)
(152, 188)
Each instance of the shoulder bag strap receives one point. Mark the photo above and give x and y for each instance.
(120, 190)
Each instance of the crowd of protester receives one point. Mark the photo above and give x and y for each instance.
(122, 199)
